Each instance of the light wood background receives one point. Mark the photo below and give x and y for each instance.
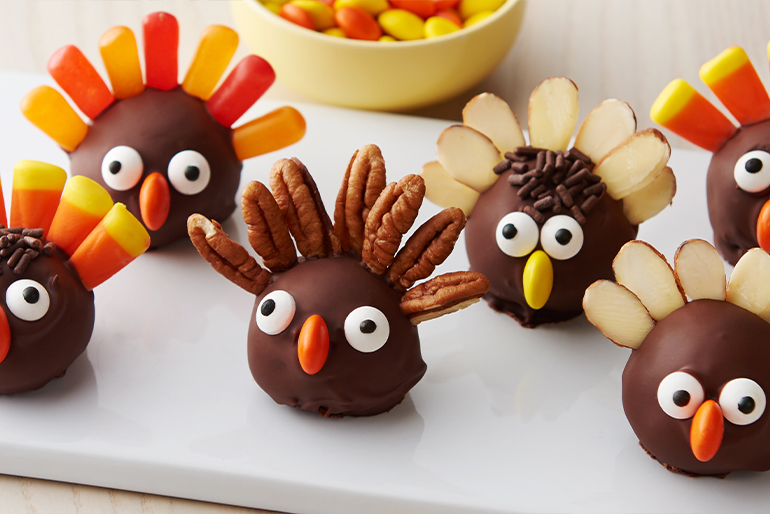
(626, 49)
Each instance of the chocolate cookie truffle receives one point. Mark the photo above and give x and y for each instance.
(694, 386)
(544, 221)
(56, 253)
(335, 331)
(738, 180)
(164, 149)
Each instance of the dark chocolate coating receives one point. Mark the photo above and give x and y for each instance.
(160, 124)
(42, 350)
(715, 342)
(350, 383)
(733, 212)
(605, 231)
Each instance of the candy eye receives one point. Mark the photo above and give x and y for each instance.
(561, 237)
(275, 312)
(742, 401)
(752, 171)
(680, 394)
(367, 329)
(122, 168)
(516, 234)
(27, 300)
(189, 172)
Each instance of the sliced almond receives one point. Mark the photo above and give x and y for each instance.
(617, 313)
(700, 271)
(748, 283)
(469, 156)
(645, 272)
(490, 115)
(443, 190)
(553, 113)
(608, 125)
(635, 163)
(656, 196)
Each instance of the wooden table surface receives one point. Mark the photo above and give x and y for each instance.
(626, 49)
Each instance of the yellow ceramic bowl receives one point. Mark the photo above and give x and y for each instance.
(380, 76)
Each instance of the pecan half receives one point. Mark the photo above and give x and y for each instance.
(268, 233)
(303, 210)
(443, 295)
(226, 256)
(364, 181)
(428, 247)
(389, 219)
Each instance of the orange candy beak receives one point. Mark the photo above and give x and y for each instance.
(763, 227)
(5, 335)
(313, 344)
(154, 201)
(706, 431)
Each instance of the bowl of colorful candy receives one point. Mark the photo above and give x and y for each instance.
(330, 52)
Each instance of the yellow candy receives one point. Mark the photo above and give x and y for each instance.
(274, 7)
(217, 46)
(438, 26)
(477, 18)
(322, 14)
(387, 39)
(373, 7)
(335, 31)
(401, 24)
(47, 109)
(83, 204)
(538, 279)
(468, 8)
(37, 187)
(121, 58)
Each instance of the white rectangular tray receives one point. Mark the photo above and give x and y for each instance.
(505, 420)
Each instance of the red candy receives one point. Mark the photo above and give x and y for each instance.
(161, 41)
(78, 78)
(422, 8)
(445, 4)
(297, 15)
(357, 24)
(245, 85)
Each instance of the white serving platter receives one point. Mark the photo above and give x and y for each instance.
(505, 420)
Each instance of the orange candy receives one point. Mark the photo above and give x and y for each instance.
(37, 187)
(357, 24)
(763, 227)
(706, 431)
(83, 205)
(422, 8)
(451, 15)
(445, 4)
(297, 15)
(273, 131)
(154, 201)
(78, 78)
(313, 344)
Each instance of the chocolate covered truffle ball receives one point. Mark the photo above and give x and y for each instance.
(694, 387)
(335, 331)
(545, 221)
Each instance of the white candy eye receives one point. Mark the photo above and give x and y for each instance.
(122, 168)
(742, 401)
(275, 312)
(561, 237)
(27, 300)
(516, 234)
(680, 394)
(367, 329)
(189, 172)
(752, 171)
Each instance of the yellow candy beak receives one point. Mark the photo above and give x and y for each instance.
(538, 279)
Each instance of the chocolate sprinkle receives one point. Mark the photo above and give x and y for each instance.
(577, 214)
(527, 150)
(21, 246)
(576, 178)
(596, 189)
(520, 167)
(523, 192)
(539, 189)
(589, 204)
(544, 203)
(518, 180)
(574, 153)
(535, 214)
(502, 166)
(565, 196)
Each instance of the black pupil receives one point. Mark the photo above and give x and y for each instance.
(746, 405)
(268, 306)
(115, 167)
(509, 231)
(681, 398)
(368, 326)
(31, 294)
(563, 236)
(192, 173)
(754, 165)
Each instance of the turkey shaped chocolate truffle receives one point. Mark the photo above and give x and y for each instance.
(165, 150)
(695, 385)
(738, 179)
(545, 222)
(335, 332)
(56, 252)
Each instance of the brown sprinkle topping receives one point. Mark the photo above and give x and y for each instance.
(22, 245)
(577, 214)
(535, 214)
(502, 166)
(589, 204)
